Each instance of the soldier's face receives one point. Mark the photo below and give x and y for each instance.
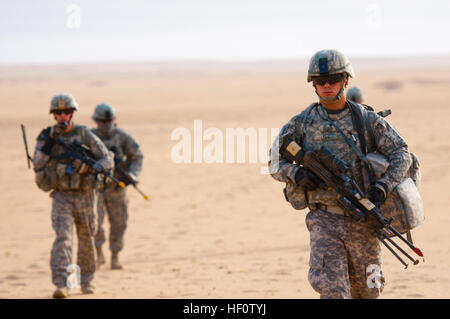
(330, 90)
(62, 117)
(105, 126)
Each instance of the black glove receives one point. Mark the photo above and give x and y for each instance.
(307, 180)
(49, 142)
(49, 134)
(377, 195)
(57, 129)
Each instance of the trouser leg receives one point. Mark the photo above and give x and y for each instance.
(117, 207)
(100, 234)
(61, 253)
(366, 277)
(328, 273)
(86, 222)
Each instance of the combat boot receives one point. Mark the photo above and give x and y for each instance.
(87, 289)
(100, 257)
(115, 264)
(60, 293)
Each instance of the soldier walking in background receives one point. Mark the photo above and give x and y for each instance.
(341, 247)
(355, 94)
(72, 183)
(112, 199)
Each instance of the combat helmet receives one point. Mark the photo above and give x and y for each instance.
(355, 94)
(104, 112)
(63, 101)
(328, 62)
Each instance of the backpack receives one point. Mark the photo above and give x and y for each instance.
(403, 204)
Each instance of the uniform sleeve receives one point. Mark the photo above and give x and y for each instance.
(100, 151)
(40, 159)
(134, 155)
(390, 144)
(281, 168)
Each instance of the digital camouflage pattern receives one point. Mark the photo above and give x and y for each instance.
(328, 62)
(341, 251)
(63, 101)
(54, 173)
(73, 203)
(311, 130)
(115, 203)
(127, 151)
(104, 112)
(112, 199)
(71, 208)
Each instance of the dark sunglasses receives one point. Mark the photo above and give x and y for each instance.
(330, 79)
(104, 121)
(59, 112)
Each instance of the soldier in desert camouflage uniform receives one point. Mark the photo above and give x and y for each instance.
(72, 184)
(112, 199)
(341, 248)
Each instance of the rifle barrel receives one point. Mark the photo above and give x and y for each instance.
(392, 250)
(402, 251)
(140, 192)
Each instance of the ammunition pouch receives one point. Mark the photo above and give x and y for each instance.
(327, 197)
(63, 177)
(296, 196)
(43, 180)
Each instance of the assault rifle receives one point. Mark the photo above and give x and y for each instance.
(76, 151)
(123, 174)
(333, 172)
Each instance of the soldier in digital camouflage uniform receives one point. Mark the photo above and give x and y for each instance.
(341, 248)
(112, 199)
(355, 94)
(72, 184)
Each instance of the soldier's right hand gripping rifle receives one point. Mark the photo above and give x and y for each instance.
(125, 176)
(333, 172)
(76, 152)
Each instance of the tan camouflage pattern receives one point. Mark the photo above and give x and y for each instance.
(341, 250)
(71, 208)
(104, 112)
(63, 101)
(128, 151)
(73, 203)
(337, 62)
(52, 174)
(112, 200)
(115, 203)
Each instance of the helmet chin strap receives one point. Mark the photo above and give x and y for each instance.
(331, 99)
(66, 124)
(70, 120)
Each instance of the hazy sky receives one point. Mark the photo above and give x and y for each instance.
(58, 31)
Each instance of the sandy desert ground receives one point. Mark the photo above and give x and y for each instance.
(213, 230)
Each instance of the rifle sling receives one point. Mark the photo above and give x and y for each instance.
(357, 119)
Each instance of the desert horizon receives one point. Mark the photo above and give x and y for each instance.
(213, 230)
